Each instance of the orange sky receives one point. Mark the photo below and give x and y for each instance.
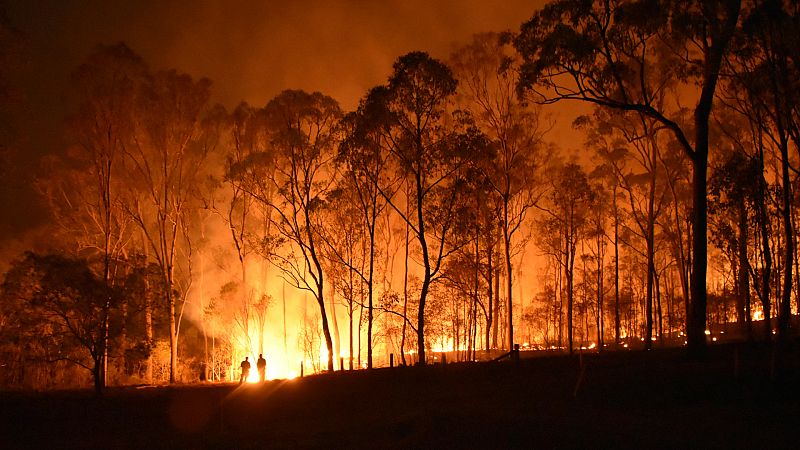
(250, 49)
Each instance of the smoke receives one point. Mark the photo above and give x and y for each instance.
(251, 50)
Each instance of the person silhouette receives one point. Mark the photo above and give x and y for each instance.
(261, 364)
(245, 370)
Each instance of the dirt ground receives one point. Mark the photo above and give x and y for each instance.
(739, 396)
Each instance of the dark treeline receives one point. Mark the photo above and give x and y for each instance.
(411, 218)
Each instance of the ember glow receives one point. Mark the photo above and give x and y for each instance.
(352, 185)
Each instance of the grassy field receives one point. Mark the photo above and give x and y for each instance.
(739, 396)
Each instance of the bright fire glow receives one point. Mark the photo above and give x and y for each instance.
(286, 331)
(252, 377)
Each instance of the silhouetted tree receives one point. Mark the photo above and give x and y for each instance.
(427, 146)
(733, 187)
(567, 212)
(487, 69)
(304, 134)
(629, 144)
(765, 83)
(164, 165)
(83, 188)
(365, 164)
(347, 250)
(601, 52)
(65, 306)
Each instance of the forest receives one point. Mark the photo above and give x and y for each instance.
(611, 176)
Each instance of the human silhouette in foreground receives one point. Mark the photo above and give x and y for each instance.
(261, 365)
(245, 370)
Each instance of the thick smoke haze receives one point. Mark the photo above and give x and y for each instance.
(251, 50)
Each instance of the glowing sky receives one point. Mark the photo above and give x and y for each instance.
(250, 49)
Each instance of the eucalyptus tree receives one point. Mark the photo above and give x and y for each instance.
(365, 164)
(488, 72)
(549, 241)
(630, 146)
(303, 131)
(607, 185)
(676, 226)
(734, 187)
(470, 273)
(753, 202)
(764, 85)
(602, 52)
(347, 253)
(426, 146)
(567, 213)
(83, 187)
(164, 164)
(597, 239)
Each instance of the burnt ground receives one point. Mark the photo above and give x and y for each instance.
(738, 396)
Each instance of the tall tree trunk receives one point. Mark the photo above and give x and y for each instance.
(173, 329)
(785, 312)
(648, 332)
(350, 338)
(507, 250)
(570, 259)
(360, 322)
(659, 310)
(370, 294)
(148, 317)
(616, 269)
(285, 340)
(350, 312)
(766, 271)
(489, 293)
(560, 290)
(476, 286)
(426, 280)
(326, 332)
(496, 305)
(651, 218)
(405, 301)
(721, 37)
(496, 321)
(670, 287)
(696, 316)
(337, 342)
(600, 258)
(743, 297)
(201, 304)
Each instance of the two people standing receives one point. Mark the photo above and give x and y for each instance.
(261, 365)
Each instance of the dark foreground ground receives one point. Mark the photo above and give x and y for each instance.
(738, 397)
